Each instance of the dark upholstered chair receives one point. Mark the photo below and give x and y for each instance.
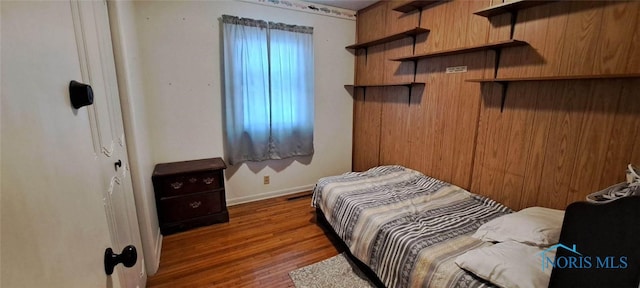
(608, 238)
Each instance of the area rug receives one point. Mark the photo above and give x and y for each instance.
(336, 271)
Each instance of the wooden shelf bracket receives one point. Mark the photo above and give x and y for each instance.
(503, 98)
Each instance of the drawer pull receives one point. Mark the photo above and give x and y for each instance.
(176, 185)
(208, 180)
(193, 180)
(195, 204)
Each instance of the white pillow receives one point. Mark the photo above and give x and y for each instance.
(508, 264)
(535, 226)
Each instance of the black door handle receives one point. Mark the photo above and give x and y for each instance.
(80, 94)
(128, 258)
(118, 164)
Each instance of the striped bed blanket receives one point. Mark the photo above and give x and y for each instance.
(407, 227)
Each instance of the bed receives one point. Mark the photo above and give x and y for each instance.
(406, 227)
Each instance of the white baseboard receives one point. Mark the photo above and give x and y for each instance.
(272, 194)
(153, 268)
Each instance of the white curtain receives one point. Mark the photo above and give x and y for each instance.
(268, 71)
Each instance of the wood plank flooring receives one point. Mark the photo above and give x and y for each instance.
(260, 245)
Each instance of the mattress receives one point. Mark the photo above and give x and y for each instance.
(406, 226)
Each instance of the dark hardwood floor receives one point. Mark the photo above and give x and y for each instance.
(262, 242)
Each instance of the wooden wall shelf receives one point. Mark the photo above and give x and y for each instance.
(408, 33)
(409, 85)
(504, 82)
(488, 46)
(510, 7)
(385, 85)
(556, 78)
(414, 5)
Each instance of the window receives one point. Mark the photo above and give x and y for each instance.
(269, 86)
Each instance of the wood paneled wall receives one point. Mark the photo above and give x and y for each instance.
(550, 143)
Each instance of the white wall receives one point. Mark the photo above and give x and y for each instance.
(180, 58)
(168, 60)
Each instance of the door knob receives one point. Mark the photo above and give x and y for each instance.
(128, 258)
(80, 94)
(117, 164)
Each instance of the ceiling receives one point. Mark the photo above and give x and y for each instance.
(346, 4)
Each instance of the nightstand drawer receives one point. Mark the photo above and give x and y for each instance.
(190, 183)
(191, 206)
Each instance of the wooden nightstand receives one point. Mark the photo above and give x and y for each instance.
(190, 194)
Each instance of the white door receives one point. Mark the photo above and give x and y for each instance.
(63, 203)
(93, 36)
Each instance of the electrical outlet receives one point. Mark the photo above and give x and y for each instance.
(266, 180)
